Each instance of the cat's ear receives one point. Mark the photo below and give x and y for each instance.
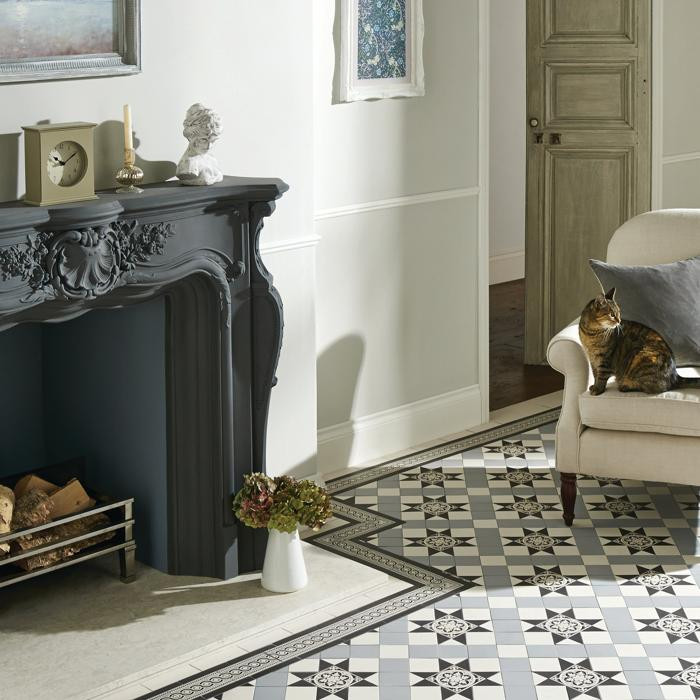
(610, 294)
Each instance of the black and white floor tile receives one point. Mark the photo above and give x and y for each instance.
(505, 602)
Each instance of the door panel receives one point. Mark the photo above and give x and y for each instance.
(588, 149)
(575, 178)
(597, 21)
(589, 96)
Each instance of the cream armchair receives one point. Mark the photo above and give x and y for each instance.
(628, 435)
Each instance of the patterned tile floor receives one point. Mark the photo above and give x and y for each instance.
(507, 603)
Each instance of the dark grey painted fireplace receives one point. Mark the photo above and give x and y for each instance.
(204, 340)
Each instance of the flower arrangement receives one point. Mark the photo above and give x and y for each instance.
(281, 503)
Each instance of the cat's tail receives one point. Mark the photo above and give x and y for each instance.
(686, 382)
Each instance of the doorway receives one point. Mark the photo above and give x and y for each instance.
(570, 161)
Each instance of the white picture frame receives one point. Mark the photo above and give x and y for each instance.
(353, 87)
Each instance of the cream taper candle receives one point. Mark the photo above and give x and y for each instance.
(128, 137)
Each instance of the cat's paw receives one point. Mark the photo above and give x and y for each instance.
(595, 391)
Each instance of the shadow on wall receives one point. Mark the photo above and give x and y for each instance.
(339, 366)
(9, 157)
(109, 157)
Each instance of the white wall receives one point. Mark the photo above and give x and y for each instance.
(392, 186)
(680, 57)
(396, 205)
(507, 140)
(255, 68)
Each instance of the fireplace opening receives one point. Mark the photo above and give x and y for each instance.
(94, 387)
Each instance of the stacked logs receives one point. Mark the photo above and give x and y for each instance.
(35, 502)
(7, 505)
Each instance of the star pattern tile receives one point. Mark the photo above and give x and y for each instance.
(438, 541)
(456, 680)
(637, 540)
(333, 679)
(580, 679)
(538, 541)
(606, 610)
(674, 624)
(437, 507)
(451, 626)
(526, 506)
(687, 678)
(549, 580)
(656, 579)
(565, 626)
(518, 476)
(618, 506)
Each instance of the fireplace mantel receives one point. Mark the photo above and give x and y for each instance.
(199, 248)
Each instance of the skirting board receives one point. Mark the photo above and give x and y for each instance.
(507, 267)
(372, 437)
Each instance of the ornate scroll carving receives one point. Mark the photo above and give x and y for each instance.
(85, 263)
(26, 262)
(139, 246)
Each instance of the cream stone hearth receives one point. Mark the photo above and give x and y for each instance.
(103, 639)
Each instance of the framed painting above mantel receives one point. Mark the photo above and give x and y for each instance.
(63, 39)
(381, 49)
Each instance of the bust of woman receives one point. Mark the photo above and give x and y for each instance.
(201, 128)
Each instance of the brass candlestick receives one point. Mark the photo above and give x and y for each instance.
(130, 176)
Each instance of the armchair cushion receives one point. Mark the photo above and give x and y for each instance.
(663, 297)
(671, 413)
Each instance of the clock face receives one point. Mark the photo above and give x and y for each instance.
(66, 163)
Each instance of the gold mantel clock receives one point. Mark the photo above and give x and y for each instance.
(59, 163)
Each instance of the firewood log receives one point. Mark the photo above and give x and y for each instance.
(32, 481)
(63, 531)
(32, 509)
(7, 505)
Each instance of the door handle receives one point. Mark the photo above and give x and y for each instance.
(555, 139)
(534, 122)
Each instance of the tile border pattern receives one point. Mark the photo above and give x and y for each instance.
(427, 584)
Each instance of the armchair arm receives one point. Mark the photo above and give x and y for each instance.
(566, 354)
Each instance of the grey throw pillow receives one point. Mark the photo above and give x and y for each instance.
(663, 297)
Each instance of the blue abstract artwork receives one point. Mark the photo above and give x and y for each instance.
(43, 28)
(381, 39)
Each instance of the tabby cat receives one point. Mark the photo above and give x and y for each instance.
(638, 356)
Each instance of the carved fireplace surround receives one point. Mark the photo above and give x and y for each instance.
(198, 248)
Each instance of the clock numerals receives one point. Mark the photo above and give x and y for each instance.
(66, 163)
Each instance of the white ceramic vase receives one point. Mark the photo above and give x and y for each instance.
(284, 570)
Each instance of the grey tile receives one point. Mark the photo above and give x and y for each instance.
(394, 692)
(640, 677)
(276, 678)
(507, 625)
(517, 678)
(263, 692)
(515, 664)
(648, 692)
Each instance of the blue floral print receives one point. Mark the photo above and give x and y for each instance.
(381, 43)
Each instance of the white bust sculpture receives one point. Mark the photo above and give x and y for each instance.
(201, 128)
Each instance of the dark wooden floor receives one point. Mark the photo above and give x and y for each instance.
(511, 380)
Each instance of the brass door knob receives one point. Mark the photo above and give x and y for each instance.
(534, 122)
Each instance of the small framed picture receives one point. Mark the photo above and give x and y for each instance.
(62, 39)
(381, 49)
